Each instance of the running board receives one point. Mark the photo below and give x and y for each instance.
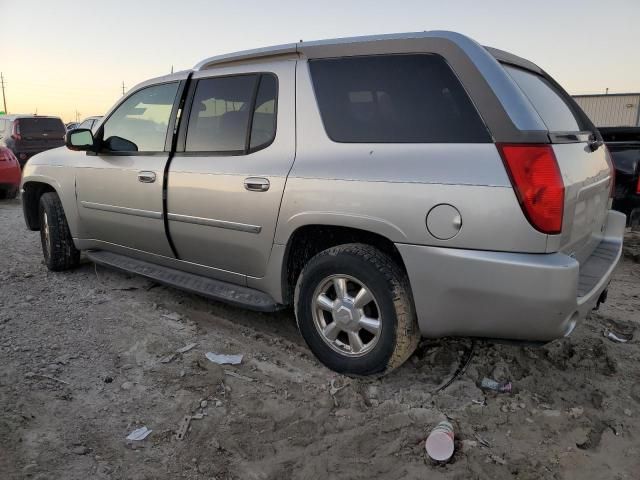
(207, 287)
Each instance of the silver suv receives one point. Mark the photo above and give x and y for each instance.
(386, 187)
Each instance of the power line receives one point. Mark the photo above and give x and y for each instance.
(4, 99)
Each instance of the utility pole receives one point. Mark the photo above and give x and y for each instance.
(171, 68)
(123, 88)
(4, 99)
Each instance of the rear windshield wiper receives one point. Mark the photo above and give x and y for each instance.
(595, 142)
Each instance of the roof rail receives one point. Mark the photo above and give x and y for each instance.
(255, 53)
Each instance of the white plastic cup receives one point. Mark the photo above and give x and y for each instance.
(439, 444)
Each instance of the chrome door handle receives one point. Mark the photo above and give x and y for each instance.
(256, 184)
(146, 177)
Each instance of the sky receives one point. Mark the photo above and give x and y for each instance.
(71, 58)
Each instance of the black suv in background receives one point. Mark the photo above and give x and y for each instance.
(26, 135)
(624, 145)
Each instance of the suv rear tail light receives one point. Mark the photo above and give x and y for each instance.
(536, 179)
(15, 132)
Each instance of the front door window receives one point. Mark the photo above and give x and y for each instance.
(140, 123)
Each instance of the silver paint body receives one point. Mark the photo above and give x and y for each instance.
(225, 231)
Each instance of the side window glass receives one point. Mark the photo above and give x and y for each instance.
(140, 123)
(263, 127)
(394, 99)
(220, 114)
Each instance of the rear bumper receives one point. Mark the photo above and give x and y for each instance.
(534, 297)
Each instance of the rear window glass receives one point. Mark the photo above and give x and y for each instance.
(394, 99)
(38, 126)
(548, 102)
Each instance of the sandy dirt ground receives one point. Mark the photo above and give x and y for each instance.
(86, 357)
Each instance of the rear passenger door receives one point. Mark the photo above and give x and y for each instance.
(227, 177)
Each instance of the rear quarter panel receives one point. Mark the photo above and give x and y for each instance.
(389, 188)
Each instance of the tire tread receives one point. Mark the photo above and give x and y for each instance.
(64, 254)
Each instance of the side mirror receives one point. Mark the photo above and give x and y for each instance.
(79, 139)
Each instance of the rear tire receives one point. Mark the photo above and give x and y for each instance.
(58, 248)
(355, 310)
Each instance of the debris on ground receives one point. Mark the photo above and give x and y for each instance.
(223, 359)
(237, 375)
(497, 459)
(576, 412)
(172, 356)
(334, 389)
(183, 428)
(618, 337)
(186, 348)
(48, 377)
(490, 384)
(440, 442)
(462, 368)
(139, 434)
(482, 441)
(169, 358)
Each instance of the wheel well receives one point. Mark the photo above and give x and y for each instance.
(309, 240)
(31, 202)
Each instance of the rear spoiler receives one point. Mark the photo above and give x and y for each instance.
(511, 59)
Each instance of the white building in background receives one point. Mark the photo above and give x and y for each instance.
(611, 110)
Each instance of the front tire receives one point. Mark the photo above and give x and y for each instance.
(355, 310)
(58, 248)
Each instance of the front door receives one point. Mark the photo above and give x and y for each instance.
(120, 189)
(226, 180)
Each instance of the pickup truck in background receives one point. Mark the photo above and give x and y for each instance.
(624, 145)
